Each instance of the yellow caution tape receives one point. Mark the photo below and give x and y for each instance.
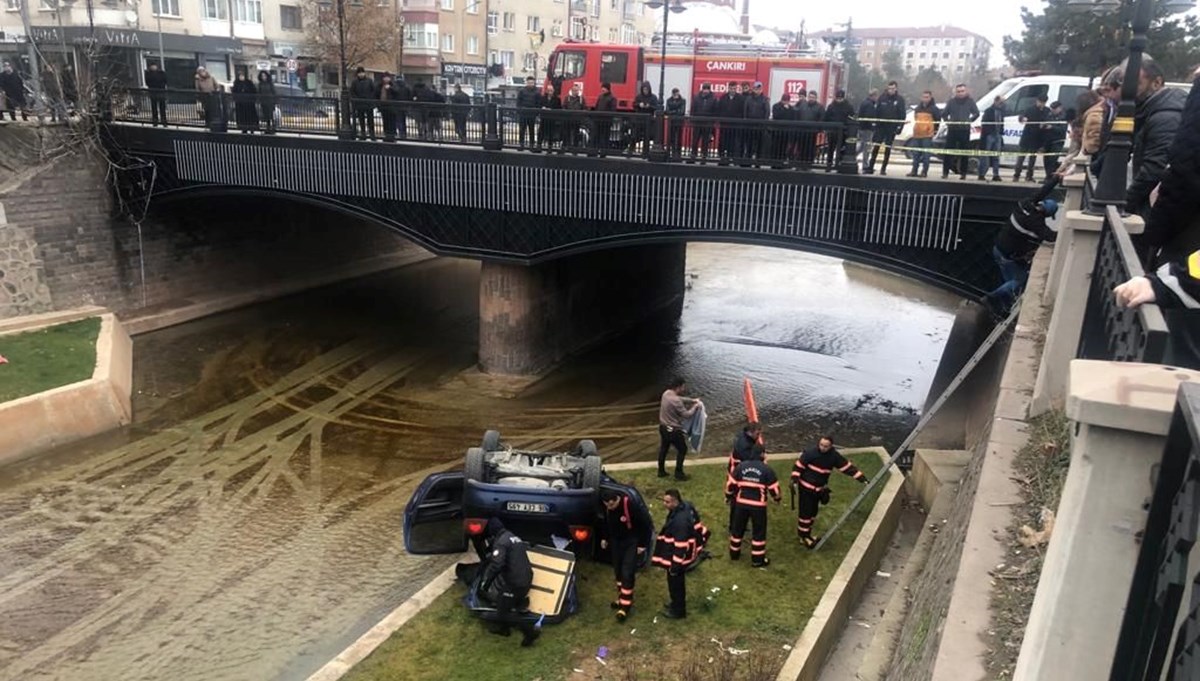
(939, 151)
(896, 122)
(1122, 124)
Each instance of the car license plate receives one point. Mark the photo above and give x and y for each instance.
(525, 507)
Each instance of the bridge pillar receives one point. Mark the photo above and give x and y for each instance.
(533, 317)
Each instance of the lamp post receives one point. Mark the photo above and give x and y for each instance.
(657, 151)
(1110, 190)
(344, 129)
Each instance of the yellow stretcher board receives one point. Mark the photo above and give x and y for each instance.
(552, 570)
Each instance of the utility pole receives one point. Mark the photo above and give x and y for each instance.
(35, 76)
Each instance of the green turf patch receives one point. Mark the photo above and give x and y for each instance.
(48, 358)
(765, 613)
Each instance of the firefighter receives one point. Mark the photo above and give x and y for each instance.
(626, 537)
(746, 490)
(810, 474)
(507, 576)
(680, 547)
(747, 445)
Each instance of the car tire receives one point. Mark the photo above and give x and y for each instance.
(475, 467)
(587, 448)
(491, 441)
(591, 470)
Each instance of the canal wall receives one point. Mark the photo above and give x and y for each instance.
(532, 318)
(64, 245)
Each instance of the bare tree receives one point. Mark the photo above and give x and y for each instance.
(372, 29)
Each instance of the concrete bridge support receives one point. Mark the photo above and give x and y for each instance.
(531, 318)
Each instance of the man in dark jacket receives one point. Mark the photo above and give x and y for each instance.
(757, 108)
(679, 548)
(782, 140)
(572, 124)
(1159, 111)
(1032, 120)
(840, 112)
(461, 102)
(867, 112)
(403, 96)
(891, 107)
(747, 446)
(704, 105)
(731, 108)
(606, 106)
(364, 93)
(676, 109)
(810, 475)
(528, 102)
(507, 576)
(156, 83)
(960, 112)
(1173, 229)
(14, 92)
(991, 138)
(1054, 136)
(644, 104)
(809, 111)
(626, 537)
(1016, 244)
(387, 106)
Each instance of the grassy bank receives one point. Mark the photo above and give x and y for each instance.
(760, 611)
(48, 358)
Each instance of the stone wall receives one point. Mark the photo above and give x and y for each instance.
(61, 246)
(531, 318)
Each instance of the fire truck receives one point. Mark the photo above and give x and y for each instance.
(688, 67)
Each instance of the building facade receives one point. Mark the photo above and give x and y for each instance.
(953, 51)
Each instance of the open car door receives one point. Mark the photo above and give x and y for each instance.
(638, 506)
(433, 518)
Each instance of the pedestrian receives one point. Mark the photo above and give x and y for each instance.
(1054, 135)
(528, 102)
(1093, 124)
(1078, 122)
(925, 124)
(363, 95)
(867, 113)
(810, 474)
(267, 100)
(1031, 136)
(704, 107)
(810, 112)
(673, 410)
(387, 106)
(548, 128)
(732, 110)
(1173, 229)
(626, 539)
(460, 104)
(403, 97)
(961, 111)
(890, 110)
(746, 491)
(644, 105)
(1016, 244)
(156, 83)
(245, 108)
(839, 113)
(507, 578)
(757, 108)
(782, 137)
(675, 109)
(680, 547)
(1159, 113)
(606, 108)
(13, 87)
(52, 92)
(1110, 89)
(573, 123)
(207, 95)
(991, 139)
(434, 114)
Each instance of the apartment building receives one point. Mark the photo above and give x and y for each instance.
(954, 51)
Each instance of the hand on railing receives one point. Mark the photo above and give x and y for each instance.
(1137, 291)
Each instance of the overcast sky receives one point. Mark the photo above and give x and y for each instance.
(992, 19)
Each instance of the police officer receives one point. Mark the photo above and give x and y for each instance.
(811, 474)
(626, 537)
(746, 490)
(679, 547)
(507, 576)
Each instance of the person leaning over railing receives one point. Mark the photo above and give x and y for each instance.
(1175, 288)
(1086, 119)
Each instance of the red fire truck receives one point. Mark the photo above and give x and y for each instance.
(688, 67)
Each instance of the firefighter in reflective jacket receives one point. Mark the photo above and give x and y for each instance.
(627, 539)
(679, 547)
(747, 445)
(746, 490)
(811, 475)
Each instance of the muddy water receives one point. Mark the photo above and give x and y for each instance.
(247, 525)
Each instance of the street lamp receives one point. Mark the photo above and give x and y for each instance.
(344, 130)
(1111, 188)
(667, 6)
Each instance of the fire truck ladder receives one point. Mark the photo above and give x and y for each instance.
(996, 334)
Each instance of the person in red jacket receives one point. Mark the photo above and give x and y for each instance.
(746, 490)
(810, 474)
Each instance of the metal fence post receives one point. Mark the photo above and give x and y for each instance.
(346, 124)
(848, 157)
(658, 152)
(491, 135)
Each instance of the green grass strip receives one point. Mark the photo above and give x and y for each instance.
(48, 358)
(767, 611)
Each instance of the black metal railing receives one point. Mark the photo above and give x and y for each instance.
(762, 143)
(1110, 331)
(1148, 640)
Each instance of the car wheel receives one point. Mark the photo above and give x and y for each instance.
(491, 441)
(475, 467)
(587, 448)
(591, 470)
